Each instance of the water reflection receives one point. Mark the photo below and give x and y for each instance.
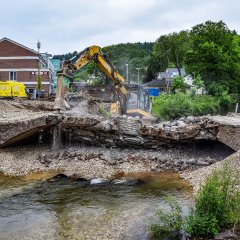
(67, 209)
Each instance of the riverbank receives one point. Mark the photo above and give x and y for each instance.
(81, 161)
(121, 146)
(198, 177)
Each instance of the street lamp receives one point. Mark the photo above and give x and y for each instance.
(127, 80)
(138, 69)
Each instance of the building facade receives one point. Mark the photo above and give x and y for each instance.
(56, 63)
(20, 63)
(168, 77)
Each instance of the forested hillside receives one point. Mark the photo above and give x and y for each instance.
(136, 55)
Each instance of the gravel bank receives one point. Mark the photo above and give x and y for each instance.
(95, 162)
(198, 177)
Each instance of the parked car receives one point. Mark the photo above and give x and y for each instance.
(41, 94)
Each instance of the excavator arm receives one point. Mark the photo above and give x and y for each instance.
(93, 53)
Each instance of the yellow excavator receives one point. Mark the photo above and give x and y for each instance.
(93, 53)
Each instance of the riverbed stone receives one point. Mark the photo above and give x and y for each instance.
(228, 234)
(202, 163)
(174, 123)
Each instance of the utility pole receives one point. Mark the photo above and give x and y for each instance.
(39, 81)
(138, 69)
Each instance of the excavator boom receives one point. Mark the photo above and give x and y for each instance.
(93, 53)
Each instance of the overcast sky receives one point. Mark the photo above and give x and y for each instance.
(67, 25)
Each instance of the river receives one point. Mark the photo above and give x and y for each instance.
(61, 208)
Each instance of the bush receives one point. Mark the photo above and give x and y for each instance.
(179, 84)
(222, 95)
(172, 106)
(225, 99)
(217, 208)
(201, 225)
(217, 205)
(171, 222)
(203, 105)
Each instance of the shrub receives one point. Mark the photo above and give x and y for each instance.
(201, 225)
(217, 208)
(179, 84)
(171, 222)
(203, 105)
(217, 205)
(172, 106)
(225, 99)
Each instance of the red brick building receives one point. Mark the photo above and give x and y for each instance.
(20, 63)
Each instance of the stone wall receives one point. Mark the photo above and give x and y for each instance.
(98, 162)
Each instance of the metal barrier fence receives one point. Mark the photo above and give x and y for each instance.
(139, 99)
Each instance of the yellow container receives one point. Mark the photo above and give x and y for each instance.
(11, 89)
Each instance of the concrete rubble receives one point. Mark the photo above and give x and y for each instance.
(120, 144)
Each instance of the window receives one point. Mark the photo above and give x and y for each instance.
(13, 76)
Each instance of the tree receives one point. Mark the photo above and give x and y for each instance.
(66, 56)
(39, 79)
(198, 82)
(213, 55)
(179, 84)
(149, 76)
(159, 59)
(136, 55)
(170, 50)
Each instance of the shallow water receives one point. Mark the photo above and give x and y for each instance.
(66, 209)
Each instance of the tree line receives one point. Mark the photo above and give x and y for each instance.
(209, 50)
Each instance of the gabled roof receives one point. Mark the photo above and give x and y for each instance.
(158, 83)
(174, 71)
(170, 73)
(18, 44)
